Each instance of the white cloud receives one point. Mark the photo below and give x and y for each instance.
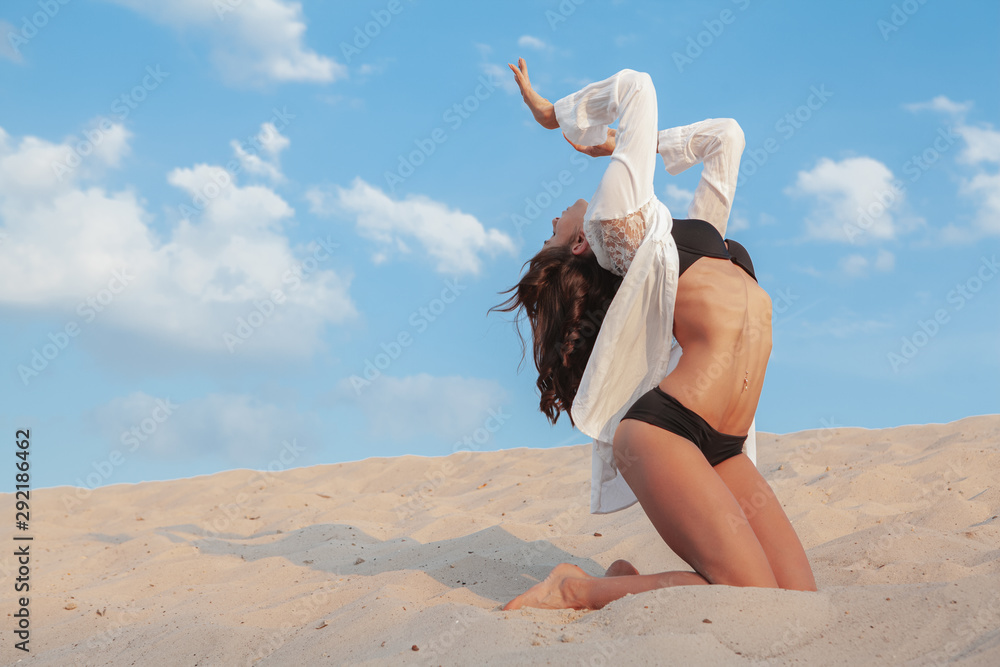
(857, 200)
(808, 269)
(37, 167)
(940, 103)
(65, 239)
(501, 77)
(885, 261)
(982, 144)
(953, 234)
(527, 41)
(403, 408)
(854, 266)
(985, 188)
(7, 48)
(266, 162)
(857, 266)
(252, 40)
(240, 428)
(737, 223)
(678, 198)
(982, 147)
(454, 240)
(369, 69)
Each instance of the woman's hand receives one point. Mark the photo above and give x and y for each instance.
(607, 148)
(543, 110)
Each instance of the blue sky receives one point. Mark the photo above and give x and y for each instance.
(266, 234)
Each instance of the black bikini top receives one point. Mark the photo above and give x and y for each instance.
(697, 238)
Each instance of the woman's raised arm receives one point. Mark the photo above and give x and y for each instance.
(716, 142)
(543, 110)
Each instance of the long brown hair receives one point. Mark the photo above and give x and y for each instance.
(565, 298)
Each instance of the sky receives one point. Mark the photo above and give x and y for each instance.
(264, 234)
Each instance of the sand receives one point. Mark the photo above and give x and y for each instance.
(408, 560)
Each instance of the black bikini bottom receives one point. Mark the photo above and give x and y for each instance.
(660, 409)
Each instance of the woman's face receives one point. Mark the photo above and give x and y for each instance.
(567, 229)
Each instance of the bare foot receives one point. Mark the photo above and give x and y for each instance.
(621, 568)
(549, 594)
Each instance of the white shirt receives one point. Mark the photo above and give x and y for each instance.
(628, 229)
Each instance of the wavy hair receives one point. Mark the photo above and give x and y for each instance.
(565, 298)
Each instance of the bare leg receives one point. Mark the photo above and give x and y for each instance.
(690, 506)
(569, 587)
(769, 523)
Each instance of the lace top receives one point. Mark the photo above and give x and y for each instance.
(614, 242)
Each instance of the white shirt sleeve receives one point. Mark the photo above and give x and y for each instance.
(618, 213)
(718, 143)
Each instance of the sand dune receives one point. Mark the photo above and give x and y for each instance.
(408, 560)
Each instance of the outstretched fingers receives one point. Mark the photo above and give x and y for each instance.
(541, 108)
(521, 76)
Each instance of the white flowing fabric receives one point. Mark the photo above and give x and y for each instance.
(628, 229)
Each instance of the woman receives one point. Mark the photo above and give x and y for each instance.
(682, 459)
